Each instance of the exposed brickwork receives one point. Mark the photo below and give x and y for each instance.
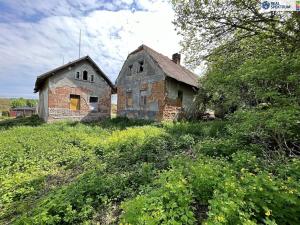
(171, 113)
(154, 94)
(59, 104)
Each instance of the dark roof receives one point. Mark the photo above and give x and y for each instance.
(170, 68)
(23, 108)
(41, 79)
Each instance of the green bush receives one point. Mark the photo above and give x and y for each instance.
(168, 204)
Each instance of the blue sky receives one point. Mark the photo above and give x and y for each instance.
(38, 35)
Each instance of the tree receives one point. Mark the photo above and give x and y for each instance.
(31, 102)
(213, 27)
(19, 102)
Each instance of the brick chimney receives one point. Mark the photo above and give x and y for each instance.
(176, 58)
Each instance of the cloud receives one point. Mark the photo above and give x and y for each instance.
(109, 32)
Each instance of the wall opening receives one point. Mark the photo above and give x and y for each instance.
(85, 75)
(141, 66)
(93, 103)
(75, 102)
(114, 99)
(180, 97)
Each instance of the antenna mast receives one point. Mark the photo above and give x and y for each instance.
(79, 42)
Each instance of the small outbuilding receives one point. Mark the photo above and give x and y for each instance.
(22, 111)
(78, 90)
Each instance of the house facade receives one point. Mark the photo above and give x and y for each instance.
(152, 86)
(77, 91)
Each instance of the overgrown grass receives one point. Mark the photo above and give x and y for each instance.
(139, 172)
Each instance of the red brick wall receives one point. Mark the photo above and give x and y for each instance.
(59, 104)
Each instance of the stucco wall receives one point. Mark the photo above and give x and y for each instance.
(64, 83)
(149, 83)
(172, 88)
(43, 102)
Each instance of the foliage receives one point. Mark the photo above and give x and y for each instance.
(171, 173)
(168, 204)
(261, 81)
(31, 102)
(21, 102)
(213, 27)
(18, 102)
(26, 121)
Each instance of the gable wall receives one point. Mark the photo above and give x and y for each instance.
(63, 84)
(150, 83)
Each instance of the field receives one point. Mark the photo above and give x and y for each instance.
(4, 104)
(137, 172)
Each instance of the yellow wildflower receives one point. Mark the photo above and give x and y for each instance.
(268, 213)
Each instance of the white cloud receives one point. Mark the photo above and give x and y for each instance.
(31, 48)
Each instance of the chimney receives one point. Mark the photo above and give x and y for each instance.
(176, 58)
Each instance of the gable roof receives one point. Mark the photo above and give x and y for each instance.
(42, 78)
(170, 68)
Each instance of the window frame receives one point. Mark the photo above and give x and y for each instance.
(77, 73)
(95, 97)
(143, 98)
(129, 93)
(92, 78)
(130, 68)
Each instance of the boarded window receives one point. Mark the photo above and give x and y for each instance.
(141, 66)
(92, 78)
(143, 98)
(75, 102)
(77, 76)
(85, 75)
(129, 102)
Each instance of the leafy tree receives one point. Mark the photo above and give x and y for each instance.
(19, 102)
(31, 102)
(211, 27)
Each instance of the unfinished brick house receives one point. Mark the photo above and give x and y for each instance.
(152, 86)
(77, 91)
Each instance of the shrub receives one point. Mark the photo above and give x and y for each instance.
(169, 204)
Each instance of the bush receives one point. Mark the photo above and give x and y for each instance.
(5, 113)
(169, 204)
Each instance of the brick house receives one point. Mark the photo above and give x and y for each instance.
(152, 86)
(78, 90)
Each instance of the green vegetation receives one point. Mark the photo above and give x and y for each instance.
(21, 102)
(138, 172)
(242, 168)
(4, 104)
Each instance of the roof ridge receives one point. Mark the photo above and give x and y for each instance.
(180, 73)
(48, 74)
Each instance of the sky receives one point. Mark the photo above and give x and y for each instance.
(40, 35)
